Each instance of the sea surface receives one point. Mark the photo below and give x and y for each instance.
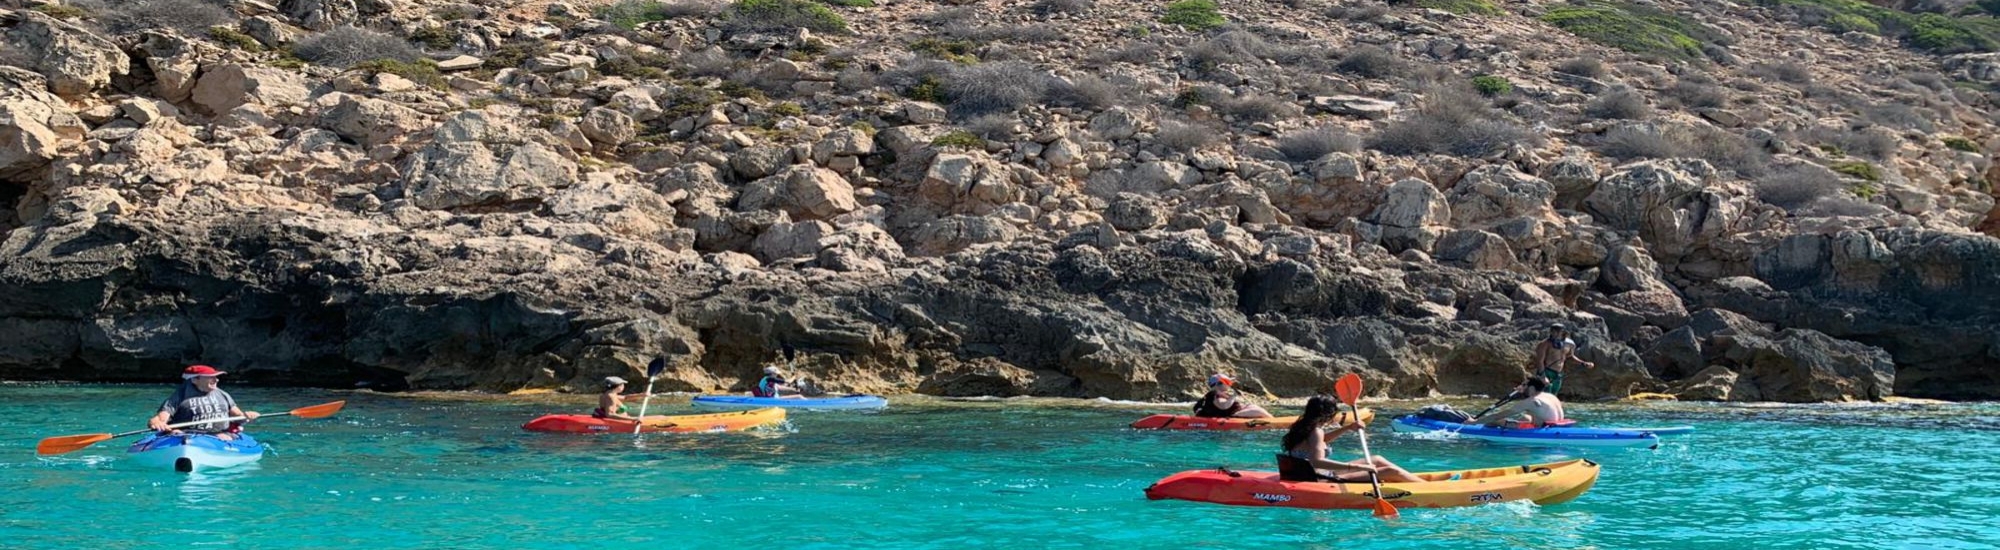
(456, 471)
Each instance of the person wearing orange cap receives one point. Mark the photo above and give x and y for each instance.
(1222, 401)
(198, 400)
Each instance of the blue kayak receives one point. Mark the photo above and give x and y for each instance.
(843, 403)
(190, 452)
(1569, 437)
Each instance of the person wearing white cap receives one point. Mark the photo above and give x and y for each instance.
(1222, 401)
(200, 399)
(611, 403)
(1553, 354)
(774, 384)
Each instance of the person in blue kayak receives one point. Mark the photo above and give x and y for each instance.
(774, 385)
(199, 399)
(611, 403)
(1538, 407)
(1553, 354)
(1222, 401)
(1304, 457)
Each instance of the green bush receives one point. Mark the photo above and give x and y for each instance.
(784, 14)
(1491, 85)
(959, 139)
(1865, 190)
(1961, 144)
(928, 89)
(422, 71)
(1461, 7)
(1858, 169)
(1199, 15)
(788, 109)
(956, 51)
(437, 38)
(1635, 28)
(63, 12)
(631, 67)
(1847, 22)
(241, 41)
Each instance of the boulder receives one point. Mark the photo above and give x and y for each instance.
(1355, 106)
(475, 160)
(804, 192)
(368, 121)
(1498, 192)
(75, 60)
(608, 128)
(35, 125)
(1133, 212)
(1807, 366)
(1474, 249)
(223, 87)
(1117, 123)
(956, 233)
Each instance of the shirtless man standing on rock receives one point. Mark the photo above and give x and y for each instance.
(1552, 355)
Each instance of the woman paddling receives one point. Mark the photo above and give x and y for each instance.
(1305, 458)
(1223, 402)
(611, 404)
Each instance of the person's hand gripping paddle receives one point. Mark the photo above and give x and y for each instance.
(1349, 390)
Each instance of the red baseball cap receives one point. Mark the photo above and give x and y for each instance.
(200, 370)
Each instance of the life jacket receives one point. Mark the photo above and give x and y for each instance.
(1206, 407)
(766, 387)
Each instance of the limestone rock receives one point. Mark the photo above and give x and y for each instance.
(75, 60)
(803, 191)
(226, 86)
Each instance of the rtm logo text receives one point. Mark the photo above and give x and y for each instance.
(1486, 497)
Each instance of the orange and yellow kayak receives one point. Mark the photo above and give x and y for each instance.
(690, 423)
(1186, 422)
(1548, 483)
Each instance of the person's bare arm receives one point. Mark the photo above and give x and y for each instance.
(1505, 411)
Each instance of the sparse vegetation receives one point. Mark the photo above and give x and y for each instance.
(1492, 85)
(1857, 169)
(635, 66)
(1720, 148)
(956, 51)
(348, 46)
(1789, 72)
(1619, 104)
(928, 89)
(1872, 143)
(1087, 91)
(1698, 95)
(1182, 136)
(235, 39)
(1310, 144)
(60, 11)
(189, 16)
(1583, 66)
(422, 71)
(1634, 28)
(1370, 62)
(960, 139)
(1197, 15)
(994, 87)
(1936, 32)
(1461, 7)
(1453, 121)
(436, 38)
(784, 14)
(1797, 186)
(629, 14)
(513, 54)
(788, 109)
(1072, 7)
(1956, 143)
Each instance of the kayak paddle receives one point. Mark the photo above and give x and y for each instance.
(1511, 397)
(72, 443)
(653, 370)
(1349, 389)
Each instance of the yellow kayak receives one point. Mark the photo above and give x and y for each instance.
(1550, 483)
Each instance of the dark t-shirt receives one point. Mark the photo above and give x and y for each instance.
(190, 405)
(1206, 407)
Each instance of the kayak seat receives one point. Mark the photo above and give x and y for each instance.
(1292, 468)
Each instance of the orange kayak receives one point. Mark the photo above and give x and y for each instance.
(707, 423)
(1549, 483)
(1186, 422)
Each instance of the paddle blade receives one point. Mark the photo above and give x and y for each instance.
(319, 411)
(1385, 510)
(790, 354)
(69, 443)
(653, 369)
(1348, 388)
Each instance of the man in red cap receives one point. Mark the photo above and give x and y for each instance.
(198, 400)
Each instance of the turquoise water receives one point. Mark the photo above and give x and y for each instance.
(456, 471)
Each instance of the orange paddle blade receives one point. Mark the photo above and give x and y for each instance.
(319, 411)
(1385, 510)
(69, 443)
(1348, 388)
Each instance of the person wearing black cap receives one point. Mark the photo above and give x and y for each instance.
(199, 399)
(1553, 354)
(611, 403)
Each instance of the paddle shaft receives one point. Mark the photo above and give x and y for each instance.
(643, 403)
(1366, 455)
(198, 423)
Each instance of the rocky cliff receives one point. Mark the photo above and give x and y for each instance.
(1729, 201)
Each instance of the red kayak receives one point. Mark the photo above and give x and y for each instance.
(717, 422)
